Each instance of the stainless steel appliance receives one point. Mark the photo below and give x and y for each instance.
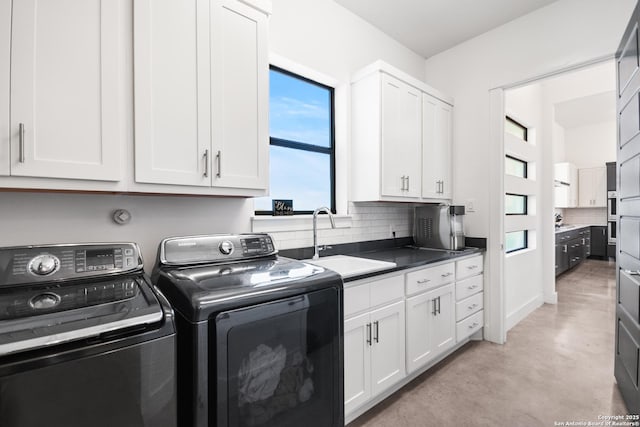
(260, 336)
(439, 226)
(612, 205)
(84, 339)
(611, 232)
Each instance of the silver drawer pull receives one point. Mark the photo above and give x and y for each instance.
(471, 267)
(21, 142)
(472, 287)
(473, 325)
(632, 272)
(423, 281)
(446, 274)
(471, 307)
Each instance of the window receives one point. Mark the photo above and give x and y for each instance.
(516, 241)
(302, 152)
(515, 128)
(515, 167)
(515, 204)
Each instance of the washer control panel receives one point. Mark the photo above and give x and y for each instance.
(215, 248)
(31, 264)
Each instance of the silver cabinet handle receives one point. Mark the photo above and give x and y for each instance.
(471, 267)
(433, 303)
(205, 156)
(445, 275)
(407, 182)
(423, 281)
(219, 159)
(583, 241)
(473, 325)
(403, 185)
(21, 142)
(377, 333)
(438, 305)
(472, 306)
(369, 333)
(472, 287)
(603, 231)
(632, 272)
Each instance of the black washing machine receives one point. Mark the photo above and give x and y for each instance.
(260, 338)
(84, 339)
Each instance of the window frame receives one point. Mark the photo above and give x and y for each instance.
(297, 145)
(526, 242)
(526, 204)
(521, 126)
(526, 167)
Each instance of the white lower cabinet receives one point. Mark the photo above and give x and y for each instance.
(374, 340)
(430, 326)
(469, 309)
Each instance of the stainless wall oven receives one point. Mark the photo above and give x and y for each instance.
(612, 205)
(612, 232)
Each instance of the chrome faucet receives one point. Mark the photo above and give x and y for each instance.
(315, 228)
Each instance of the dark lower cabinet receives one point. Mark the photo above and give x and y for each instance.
(562, 258)
(599, 241)
(611, 251)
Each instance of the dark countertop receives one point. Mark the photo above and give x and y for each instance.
(409, 257)
(569, 227)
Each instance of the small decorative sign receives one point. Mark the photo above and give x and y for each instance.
(282, 207)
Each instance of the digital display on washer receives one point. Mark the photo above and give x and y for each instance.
(101, 258)
(252, 245)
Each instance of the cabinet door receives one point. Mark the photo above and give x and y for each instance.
(171, 86)
(66, 114)
(585, 188)
(444, 321)
(401, 138)
(436, 148)
(240, 95)
(388, 352)
(357, 361)
(600, 187)
(5, 60)
(420, 311)
(599, 241)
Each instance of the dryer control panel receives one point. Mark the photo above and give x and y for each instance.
(34, 264)
(215, 248)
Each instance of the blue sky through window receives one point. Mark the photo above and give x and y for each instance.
(299, 111)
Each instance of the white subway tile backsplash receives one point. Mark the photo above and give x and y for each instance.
(589, 216)
(370, 221)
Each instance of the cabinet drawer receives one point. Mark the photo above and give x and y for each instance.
(469, 325)
(372, 294)
(469, 267)
(469, 306)
(386, 290)
(356, 299)
(468, 287)
(430, 278)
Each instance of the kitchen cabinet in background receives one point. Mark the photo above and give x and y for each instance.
(66, 84)
(201, 94)
(401, 137)
(592, 187)
(565, 185)
(599, 241)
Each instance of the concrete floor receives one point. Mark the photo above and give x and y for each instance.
(556, 366)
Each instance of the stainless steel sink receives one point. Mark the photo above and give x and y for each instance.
(350, 266)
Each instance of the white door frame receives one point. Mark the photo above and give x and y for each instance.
(495, 296)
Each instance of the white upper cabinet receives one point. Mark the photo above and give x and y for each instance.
(5, 61)
(565, 185)
(436, 148)
(391, 155)
(401, 129)
(593, 187)
(201, 93)
(65, 86)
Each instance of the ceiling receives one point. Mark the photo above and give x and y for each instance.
(431, 26)
(586, 110)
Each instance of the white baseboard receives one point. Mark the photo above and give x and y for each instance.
(551, 298)
(523, 311)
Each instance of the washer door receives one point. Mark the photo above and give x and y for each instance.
(279, 363)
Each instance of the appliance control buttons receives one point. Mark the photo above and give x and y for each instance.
(128, 252)
(43, 265)
(128, 261)
(226, 247)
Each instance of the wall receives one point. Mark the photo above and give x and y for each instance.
(316, 33)
(522, 272)
(591, 145)
(564, 34)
